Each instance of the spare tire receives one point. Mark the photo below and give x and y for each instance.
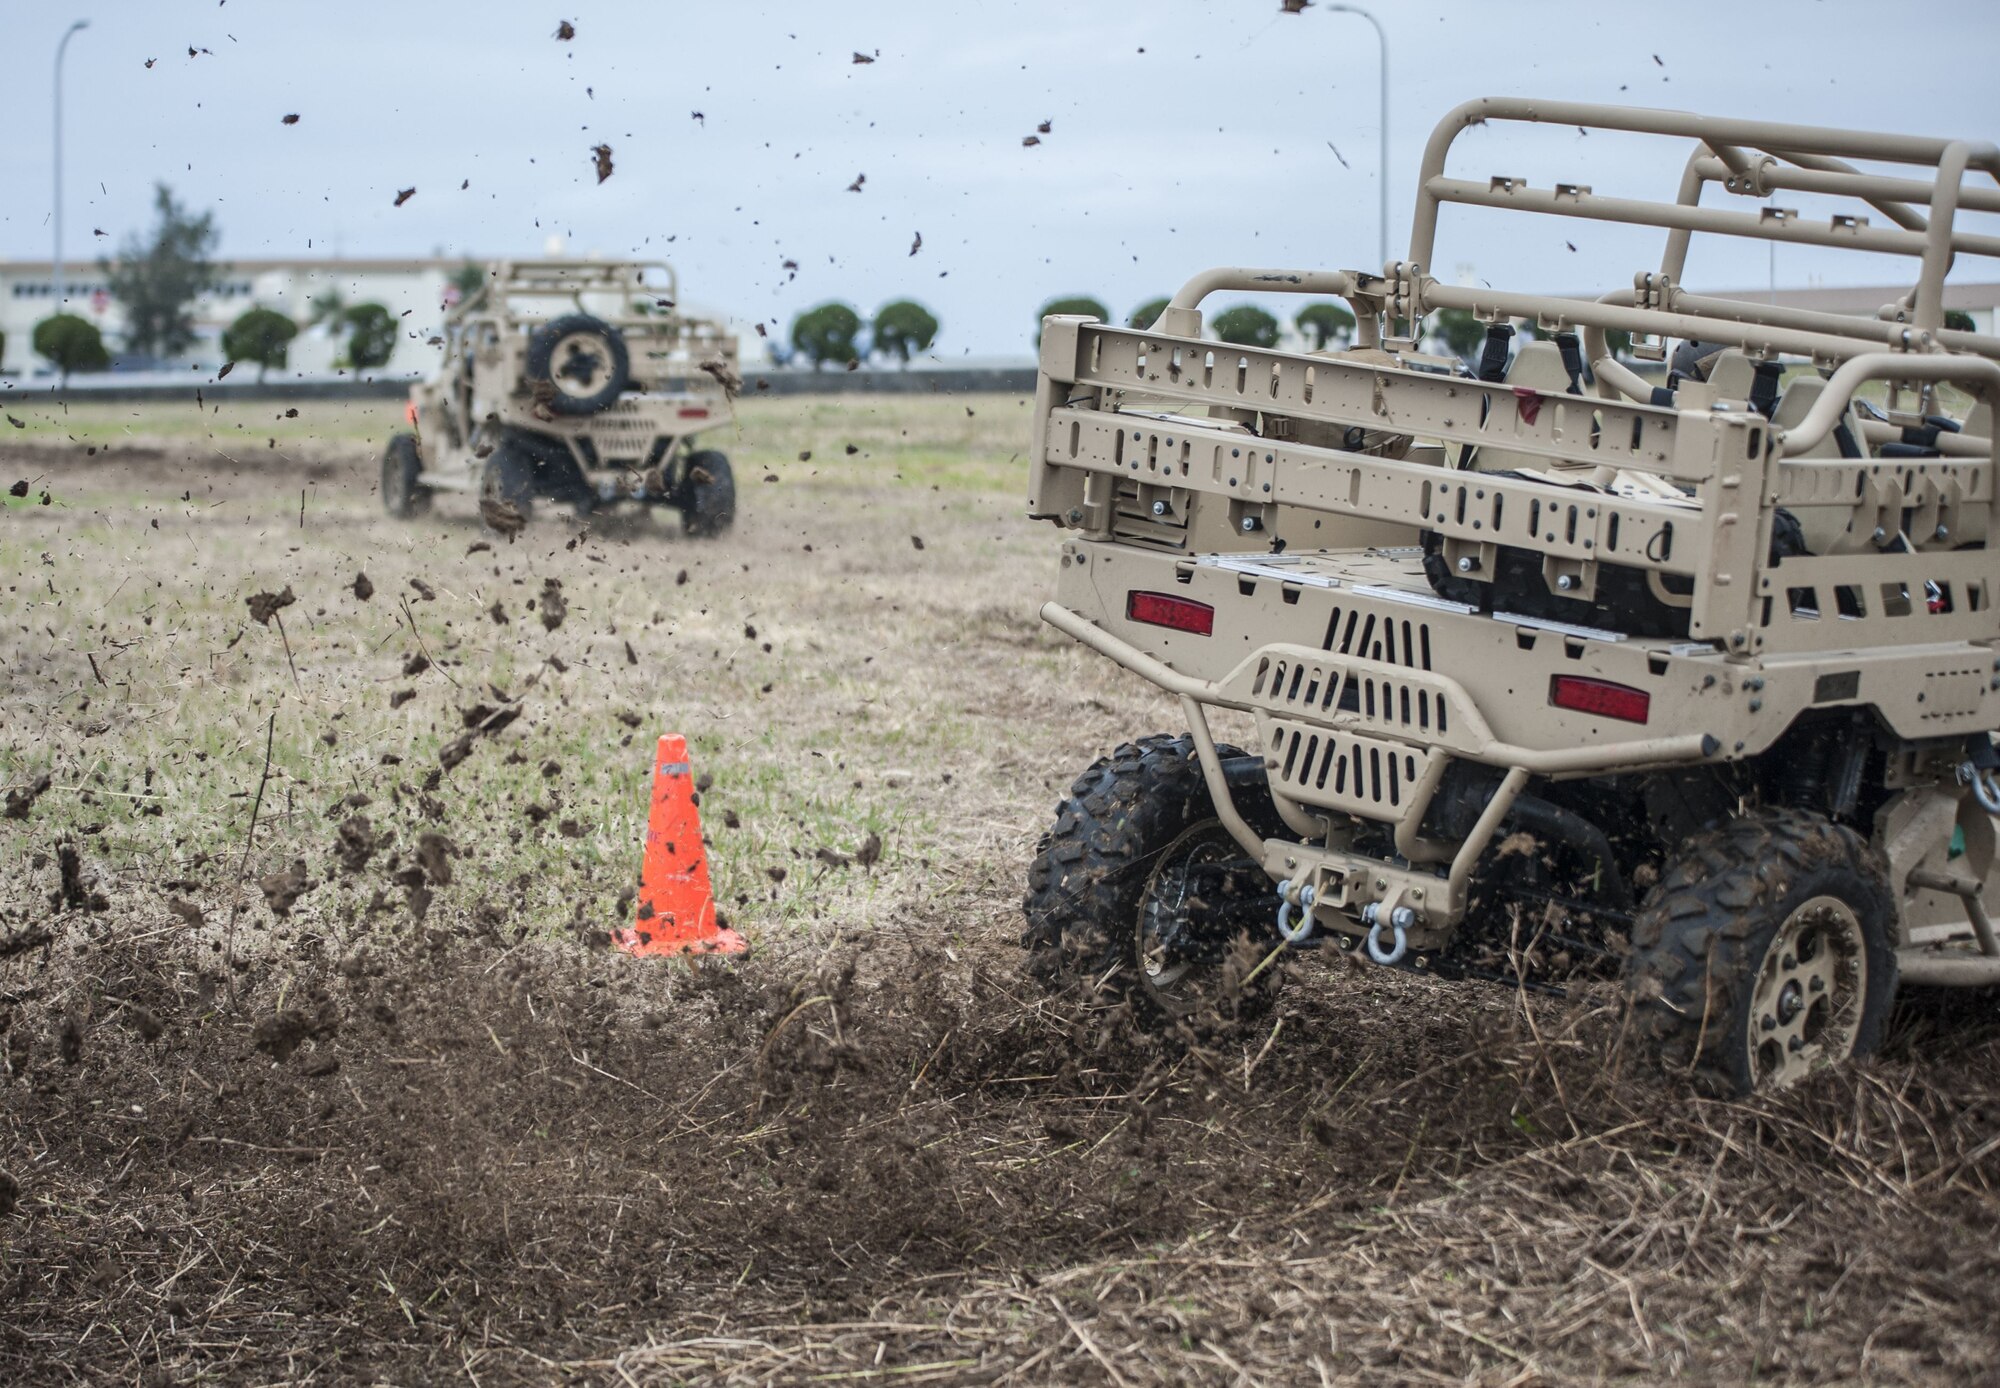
(582, 359)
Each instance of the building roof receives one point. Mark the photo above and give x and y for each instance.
(252, 264)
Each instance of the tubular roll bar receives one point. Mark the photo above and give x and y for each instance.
(1816, 159)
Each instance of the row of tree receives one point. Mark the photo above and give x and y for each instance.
(830, 332)
(156, 280)
(1246, 325)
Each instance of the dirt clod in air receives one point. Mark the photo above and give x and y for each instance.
(504, 517)
(21, 799)
(79, 889)
(554, 607)
(20, 488)
(602, 155)
(265, 606)
(404, 196)
(363, 589)
(355, 843)
(725, 376)
(565, 31)
(283, 889)
(434, 854)
(424, 590)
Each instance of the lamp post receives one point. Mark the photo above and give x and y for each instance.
(1382, 178)
(62, 46)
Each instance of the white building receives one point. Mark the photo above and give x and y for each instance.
(414, 290)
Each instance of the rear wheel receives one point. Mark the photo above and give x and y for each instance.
(509, 479)
(708, 494)
(1139, 892)
(402, 495)
(1766, 951)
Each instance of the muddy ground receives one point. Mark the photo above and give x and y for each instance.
(316, 1068)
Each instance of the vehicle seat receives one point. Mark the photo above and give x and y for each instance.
(1827, 529)
(1537, 366)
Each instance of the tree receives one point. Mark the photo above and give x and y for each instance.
(826, 333)
(158, 276)
(260, 336)
(1458, 330)
(1147, 314)
(1246, 325)
(328, 306)
(1076, 303)
(1959, 321)
(71, 344)
(903, 327)
(1325, 323)
(371, 336)
(469, 279)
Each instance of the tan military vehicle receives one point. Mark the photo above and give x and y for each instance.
(1547, 664)
(572, 381)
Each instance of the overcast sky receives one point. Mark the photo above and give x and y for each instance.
(1184, 134)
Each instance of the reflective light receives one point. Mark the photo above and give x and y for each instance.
(1601, 697)
(1166, 610)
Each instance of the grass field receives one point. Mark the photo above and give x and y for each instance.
(413, 1123)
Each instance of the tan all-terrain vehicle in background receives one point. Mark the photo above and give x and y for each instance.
(1551, 664)
(572, 381)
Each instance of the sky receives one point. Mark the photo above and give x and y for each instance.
(1182, 135)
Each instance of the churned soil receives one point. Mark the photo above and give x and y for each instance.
(315, 1068)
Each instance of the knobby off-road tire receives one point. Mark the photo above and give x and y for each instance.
(708, 495)
(584, 359)
(402, 495)
(1765, 952)
(1110, 880)
(509, 475)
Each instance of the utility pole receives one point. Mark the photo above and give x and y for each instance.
(62, 46)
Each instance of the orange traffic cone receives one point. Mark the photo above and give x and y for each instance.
(676, 903)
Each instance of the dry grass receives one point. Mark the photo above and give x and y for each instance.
(492, 1151)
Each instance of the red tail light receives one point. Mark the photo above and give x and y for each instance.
(1601, 697)
(691, 412)
(1166, 610)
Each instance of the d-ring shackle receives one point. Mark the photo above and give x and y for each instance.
(1300, 933)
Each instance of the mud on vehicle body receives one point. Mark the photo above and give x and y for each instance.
(1691, 679)
(572, 381)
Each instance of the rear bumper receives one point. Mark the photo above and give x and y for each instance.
(1361, 729)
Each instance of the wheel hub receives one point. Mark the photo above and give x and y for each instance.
(1805, 1007)
(1201, 897)
(580, 368)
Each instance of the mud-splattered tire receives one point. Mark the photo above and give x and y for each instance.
(1103, 880)
(402, 495)
(509, 475)
(1765, 951)
(708, 495)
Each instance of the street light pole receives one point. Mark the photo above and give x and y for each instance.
(1382, 179)
(61, 47)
